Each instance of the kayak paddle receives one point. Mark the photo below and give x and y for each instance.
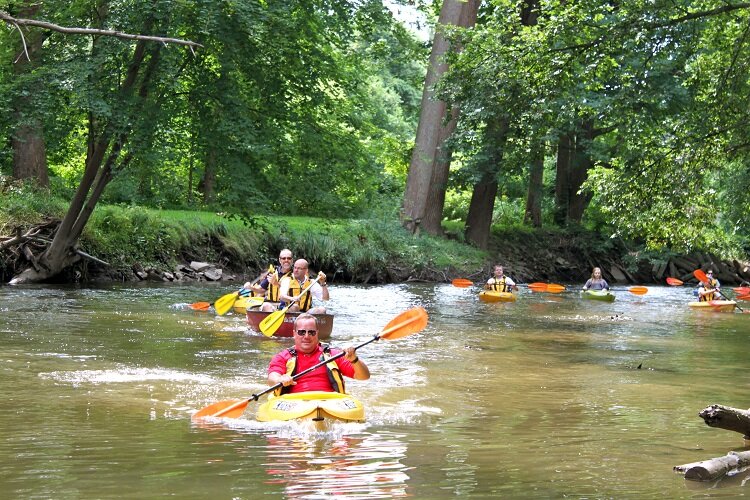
(674, 282)
(462, 283)
(698, 273)
(273, 321)
(638, 290)
(410, 321)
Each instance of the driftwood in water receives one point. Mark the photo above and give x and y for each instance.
(714, 468)
(726, 417)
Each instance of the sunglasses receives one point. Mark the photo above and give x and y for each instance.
(311, 333)
(285, 258)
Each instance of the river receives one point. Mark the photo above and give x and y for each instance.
(548, 397)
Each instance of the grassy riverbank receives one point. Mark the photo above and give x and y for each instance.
(373, 250)
(363, 250)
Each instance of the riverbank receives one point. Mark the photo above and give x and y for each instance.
(142, 244)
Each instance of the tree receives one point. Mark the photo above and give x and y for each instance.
(428, 170)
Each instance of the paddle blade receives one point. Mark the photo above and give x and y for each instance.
(408, 322)
(554, 288)
(741, 290)
(225, 303)
(638, 290)
(674, 282)
(698, 273)
(272, 322)
(200, 306)
(538, 287)
(743, 297)
(230, 408)
(462, 283)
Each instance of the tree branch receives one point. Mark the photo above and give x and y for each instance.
(4, 16)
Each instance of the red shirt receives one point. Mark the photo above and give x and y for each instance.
(316, 380)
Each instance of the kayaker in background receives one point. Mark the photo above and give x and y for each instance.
(709, 290)
(268, 287)
(596, 282)
(307, 352)
(291, 288)
(500, 282)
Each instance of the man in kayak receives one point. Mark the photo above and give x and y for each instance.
(499, 282)
(268, 287)
(307, 352)
(709, 290)
(596, 282)
(292, 287)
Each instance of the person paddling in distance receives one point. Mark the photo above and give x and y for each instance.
(292, 287)
(499, 282)
(307, 352)
(709, 290)
(596, 282)
(268, 287)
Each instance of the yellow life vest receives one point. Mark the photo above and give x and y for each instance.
(334, 374)
(272, 293)
(499, 286)
(711, 285)
(305, 302)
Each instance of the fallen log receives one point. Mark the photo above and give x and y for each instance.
(708, 470)
(726, 417)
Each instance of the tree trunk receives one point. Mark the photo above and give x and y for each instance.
(30, 153)
(207, 184)
(533, 213)
(431, 117)
(579, 172)
(481, 208)
(479, 219)
(433, 213)
(562, 177)
(27, 142)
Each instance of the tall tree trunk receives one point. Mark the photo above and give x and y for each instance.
(482, 205)
(479, 219)
(27, 141)
(207, 184)
(565, 145)
(533, 212)
(431, 117)
(433, 212)
(579, 172)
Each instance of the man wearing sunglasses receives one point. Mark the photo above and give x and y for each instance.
(307, 352)
(268, 287)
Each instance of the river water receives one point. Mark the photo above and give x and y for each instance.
(551, 396)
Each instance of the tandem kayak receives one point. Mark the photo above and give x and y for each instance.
(603, 295)
(492, 296)
(325, 323)
(315, 408)
(714, 305)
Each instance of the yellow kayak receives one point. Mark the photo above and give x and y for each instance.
(242, 303)
(714, 305)
(315, 407)
(492, 296)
